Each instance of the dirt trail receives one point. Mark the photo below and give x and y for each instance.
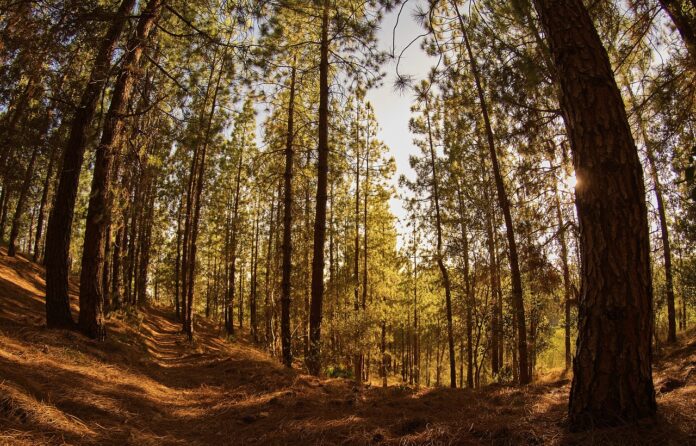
(147, 385)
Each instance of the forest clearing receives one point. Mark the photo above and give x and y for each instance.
(347, 221)
(147, 386)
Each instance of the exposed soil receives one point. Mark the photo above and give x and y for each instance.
(147, 385)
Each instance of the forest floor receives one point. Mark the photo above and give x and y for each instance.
(147, 385)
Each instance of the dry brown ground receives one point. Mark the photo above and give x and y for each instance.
(146, 385)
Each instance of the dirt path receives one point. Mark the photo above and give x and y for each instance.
(147, 385)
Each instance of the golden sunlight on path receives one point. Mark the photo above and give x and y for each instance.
(147, 385)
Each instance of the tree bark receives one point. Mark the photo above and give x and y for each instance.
(317, 297)
(197, 203)
(504, 202)
(254, 277)
(357, 357)
(58, 232)
(612, 382)
(285, 297)
(468, 295)
(177, 265)
(43, 204)
(21, 200)
(664, 228)
(439, 254)
(567, 286)
(91, 320)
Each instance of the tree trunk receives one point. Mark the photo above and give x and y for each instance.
(612, 382)
(516, 277)
(285, 297)
(91, 320)
(567, 286)
(233, 247)
(177, 265)
(59, 227)
(468, 295)
(315, 316)
(44, 203)
(197, 203)
(268, 288)
(357, 357)
(416, 334)
(21, 200)
(439, 254)
(254, 277)
(664, 228)
(4, 203)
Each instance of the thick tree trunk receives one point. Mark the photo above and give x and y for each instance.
(285, 297)
(612, 382)
(21, 200)
(504, 202)
(315, 315)
(91, 320)
(58, 232)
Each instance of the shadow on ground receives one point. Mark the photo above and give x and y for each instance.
(147, 385)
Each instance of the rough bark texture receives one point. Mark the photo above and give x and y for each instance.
(91, 320)
(60, 222)
(315, 315)
(612, 380)
(285, 296)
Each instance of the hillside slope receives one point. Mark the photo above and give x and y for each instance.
(146, 385)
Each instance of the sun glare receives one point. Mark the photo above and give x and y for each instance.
(571, 180)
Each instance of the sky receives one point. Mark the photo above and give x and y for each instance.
(393, 108)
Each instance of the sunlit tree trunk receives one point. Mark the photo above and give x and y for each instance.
(58, 232)
(91, 320)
